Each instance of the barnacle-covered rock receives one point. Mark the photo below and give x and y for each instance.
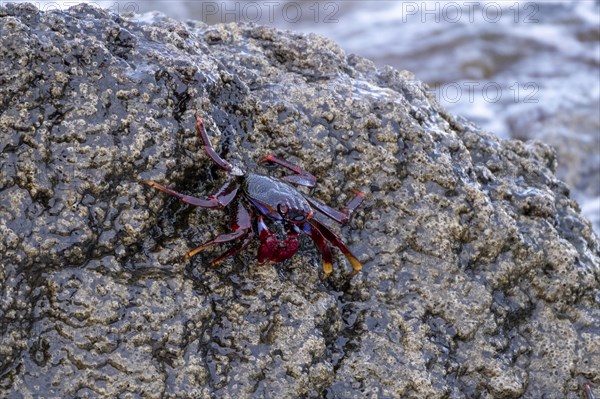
(480, 278)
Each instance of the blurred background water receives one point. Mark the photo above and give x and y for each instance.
(518, 69)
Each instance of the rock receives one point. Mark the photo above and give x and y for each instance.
(480, 276)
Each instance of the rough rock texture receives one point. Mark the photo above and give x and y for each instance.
(481, 279)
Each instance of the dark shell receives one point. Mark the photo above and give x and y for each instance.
(276, 196)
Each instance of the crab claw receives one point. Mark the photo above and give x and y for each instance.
(268, 242)
(271, 248)
(286, 249)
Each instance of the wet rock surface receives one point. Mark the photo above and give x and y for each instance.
(480, 278)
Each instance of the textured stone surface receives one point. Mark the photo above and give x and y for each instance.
(481, 278)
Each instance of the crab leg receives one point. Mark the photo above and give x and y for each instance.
(587, 390)
(345, 214)
(241, 229)
(335, 240)
(233, 251)
(301, 177)
(209, 149)
(221, 238)
(222, 198)
(320, 241)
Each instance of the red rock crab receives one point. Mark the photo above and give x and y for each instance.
(262, 198)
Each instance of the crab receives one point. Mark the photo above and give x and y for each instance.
(257, 200)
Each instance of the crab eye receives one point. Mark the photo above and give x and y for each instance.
(282, 209)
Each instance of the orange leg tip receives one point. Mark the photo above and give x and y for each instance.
(193, 252)
(327, 268)
(266, 158)
(356, 265)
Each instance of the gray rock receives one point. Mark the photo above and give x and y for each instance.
(480, 278)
